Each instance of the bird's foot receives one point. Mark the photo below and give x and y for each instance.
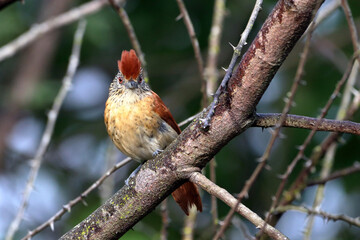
(133, 174)
(157, 152)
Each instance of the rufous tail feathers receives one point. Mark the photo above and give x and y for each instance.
(186, 196)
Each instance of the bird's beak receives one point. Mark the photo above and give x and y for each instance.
(131, 84)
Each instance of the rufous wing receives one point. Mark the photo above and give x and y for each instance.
(164, 113)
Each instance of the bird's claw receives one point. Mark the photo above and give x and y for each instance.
(157, 152)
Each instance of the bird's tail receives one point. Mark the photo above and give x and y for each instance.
(186, 196)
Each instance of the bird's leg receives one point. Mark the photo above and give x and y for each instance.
(133, 174)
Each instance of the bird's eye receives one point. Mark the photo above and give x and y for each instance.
(120, 80)
(140, 79)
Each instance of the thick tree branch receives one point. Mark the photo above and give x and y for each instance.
(194, 147)
(271, 119)
(240, 208)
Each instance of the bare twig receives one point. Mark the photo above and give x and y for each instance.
(302, 148)
(118, 6)
(325, 215)
(195, 43)
(67, 207)
(165, 220)
(313, 131)
(189, 225)
(324, 13)
(329, 158)
(238, 223)
(52, 117)
(320, 190)
(337, 174)
(300, 182)
(189, 119)
(228, 199)
(295, 121)
(211, 77)
(229, 70)
(352, 26)
(211, 72)
(40, 29)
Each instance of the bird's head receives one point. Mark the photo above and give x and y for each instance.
(129, 76)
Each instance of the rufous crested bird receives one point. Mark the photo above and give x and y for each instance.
(139, 123)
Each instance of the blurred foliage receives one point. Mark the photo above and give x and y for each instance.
(173, 75)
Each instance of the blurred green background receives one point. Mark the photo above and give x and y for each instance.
(79, 150)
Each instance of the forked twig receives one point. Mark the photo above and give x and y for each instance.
(52, 117)
(131, 33)
(195, 43)
(302, 148)
(237, 52)
(325, 215)
(40, 29)
(67, 207)
(228, 199)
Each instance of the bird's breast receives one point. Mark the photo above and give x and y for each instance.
(136, 129)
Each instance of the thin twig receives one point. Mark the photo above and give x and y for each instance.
(195, 43)
(325, 215)
(285, 111)
(211, 72)
(337, 174)
(52, 117)
(238, 223)
(302, 148)
(189, 225)
(189, 119)
(67, 207)
(211, 77)
(324, 12)
(229, 70)
(40, 29)
(232, 202)
(265, 120)
(351, 23)
(165, 220)
(300, 182)
(320, 190)
(118, 6)
(329, 158)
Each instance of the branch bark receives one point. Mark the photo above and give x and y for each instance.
(195, 147)
(271, 119)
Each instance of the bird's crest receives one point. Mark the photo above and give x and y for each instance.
(129, 65)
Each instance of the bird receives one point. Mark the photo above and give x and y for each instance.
(139, 123)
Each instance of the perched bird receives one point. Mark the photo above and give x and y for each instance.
(139, 123)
